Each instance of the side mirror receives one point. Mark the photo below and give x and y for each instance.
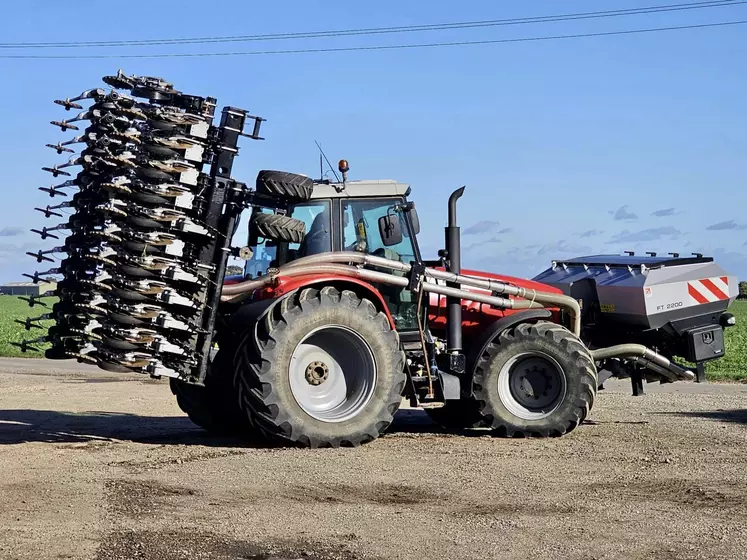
(390, 230)
(414, 220)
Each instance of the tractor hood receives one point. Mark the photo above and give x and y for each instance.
(520, 282)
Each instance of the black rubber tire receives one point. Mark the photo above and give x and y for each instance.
(279, 228)
(213, 407)
(123, 319)
(154, 174)
(120, 344)
(160, 152)
(138, 248)
(456, 416)
(148, 198)
(129, 295)
(262, 369)
(135, 271)
(283, 184)
(567, 350)
(145, 223)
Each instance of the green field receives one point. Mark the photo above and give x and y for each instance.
(12, 308)
(733, 367)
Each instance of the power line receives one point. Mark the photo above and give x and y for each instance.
(377, 47)
(387, 30)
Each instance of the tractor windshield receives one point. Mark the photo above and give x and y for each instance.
(360, 218)
(360, 221)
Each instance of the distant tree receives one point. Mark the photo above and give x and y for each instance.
(233, 270)
(742, 290)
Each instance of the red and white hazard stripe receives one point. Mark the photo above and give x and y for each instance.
(708, 290)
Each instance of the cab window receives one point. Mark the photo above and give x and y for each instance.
(360, 220)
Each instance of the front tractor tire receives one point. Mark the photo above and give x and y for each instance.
(323, 369)
(536, 380)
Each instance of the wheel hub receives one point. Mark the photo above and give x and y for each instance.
(535, 382)
(332, 373)
(317, 373)
(531, 385)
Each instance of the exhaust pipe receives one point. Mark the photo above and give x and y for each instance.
(454, 260)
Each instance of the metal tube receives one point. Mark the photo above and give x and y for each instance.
(376, 277)
(235, 289)
(640, 351)
(349, 257)
(487, 284)
(560, 300)
(456, 195)
(454, 259)
(657, 368)
(248, 286)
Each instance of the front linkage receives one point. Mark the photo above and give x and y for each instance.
(150, 230)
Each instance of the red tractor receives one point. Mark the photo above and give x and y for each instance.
(330, 328)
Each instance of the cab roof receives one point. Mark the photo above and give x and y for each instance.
(376, 188)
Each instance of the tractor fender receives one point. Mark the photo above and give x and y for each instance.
(361, 287)
(492, 332)
(253, 313)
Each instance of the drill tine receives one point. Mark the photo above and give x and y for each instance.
(64, 125)
(70, 102)
(53, 191)
(59, 148)
(25, 345)
(33, 300)
(45, 233)
(48, 212)
(39, 256)
(35, 277)
(28, 324)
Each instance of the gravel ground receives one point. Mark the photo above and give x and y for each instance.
(105, 466)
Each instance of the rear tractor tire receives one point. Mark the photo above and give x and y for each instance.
(325, 369)
(536, 380)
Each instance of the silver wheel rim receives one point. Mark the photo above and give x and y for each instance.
(332, 374)
(531, 385)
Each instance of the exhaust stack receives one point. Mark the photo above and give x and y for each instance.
(454, 265)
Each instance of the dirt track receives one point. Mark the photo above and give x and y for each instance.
(102, 466)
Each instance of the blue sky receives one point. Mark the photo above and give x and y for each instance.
(571, 147)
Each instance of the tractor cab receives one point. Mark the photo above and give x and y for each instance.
(371, 217)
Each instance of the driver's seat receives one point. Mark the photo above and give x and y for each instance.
(318, 239)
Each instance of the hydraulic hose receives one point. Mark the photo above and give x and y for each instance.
(503, 288)
(231, 292)
(251, 285)
(532, 297)
(486, 284)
